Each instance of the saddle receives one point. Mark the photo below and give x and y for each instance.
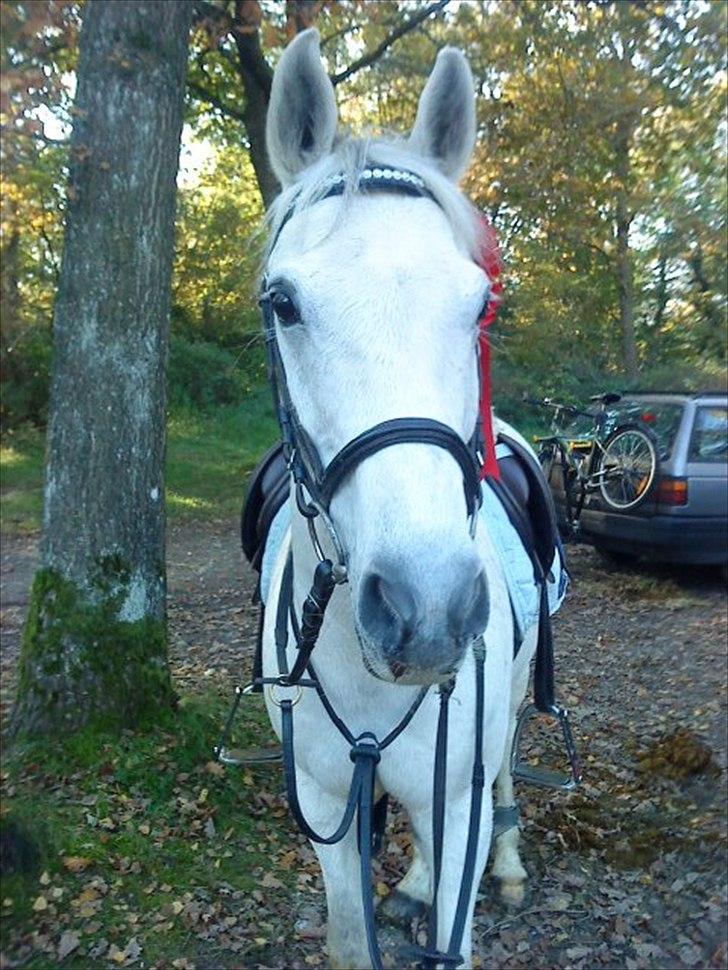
(267, 491)
(521, 488)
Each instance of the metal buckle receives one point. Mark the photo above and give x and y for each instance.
(544, 777)
(271, 688)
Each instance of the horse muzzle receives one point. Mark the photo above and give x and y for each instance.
(415, 629)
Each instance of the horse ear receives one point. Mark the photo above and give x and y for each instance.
(302, 115)
(445, 125)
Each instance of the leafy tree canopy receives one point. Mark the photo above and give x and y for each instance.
(600, 159)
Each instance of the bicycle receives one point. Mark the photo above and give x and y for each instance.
(620, 464)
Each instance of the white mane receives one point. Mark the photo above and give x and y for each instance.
(349, 158)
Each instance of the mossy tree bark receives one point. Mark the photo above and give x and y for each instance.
(95, 641)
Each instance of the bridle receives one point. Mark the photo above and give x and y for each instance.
(315, 484)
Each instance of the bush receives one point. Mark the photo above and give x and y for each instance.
(203, 375)
(200, 375)
(26, 368)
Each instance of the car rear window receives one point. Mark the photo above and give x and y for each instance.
(709, 441)
(663, 420)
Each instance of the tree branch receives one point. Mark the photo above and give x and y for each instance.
(366, 59)
(205, 10)
(215, 101)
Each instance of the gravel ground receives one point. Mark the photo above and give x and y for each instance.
(630, 870)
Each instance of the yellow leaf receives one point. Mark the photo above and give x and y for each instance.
(115, 954)
(40, 904)
(87, 896)
(75, 863)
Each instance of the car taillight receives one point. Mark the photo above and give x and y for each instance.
(672, 491)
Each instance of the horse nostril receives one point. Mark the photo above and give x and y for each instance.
(387, 609)
(469, 608)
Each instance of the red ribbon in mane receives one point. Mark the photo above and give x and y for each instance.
(490, 261)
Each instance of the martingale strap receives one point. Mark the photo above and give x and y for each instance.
(365, 754)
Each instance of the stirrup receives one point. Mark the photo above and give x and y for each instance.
(236, 756)
(249, 756)
(535, 775)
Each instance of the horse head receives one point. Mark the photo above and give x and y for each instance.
(375, 300)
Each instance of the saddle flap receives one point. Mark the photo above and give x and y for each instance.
(267, 491)
(527, 499)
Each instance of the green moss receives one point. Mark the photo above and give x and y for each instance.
(80, 663)
(132, 810)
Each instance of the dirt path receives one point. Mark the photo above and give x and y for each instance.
(630, 871)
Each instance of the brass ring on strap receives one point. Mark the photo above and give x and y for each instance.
(272, 688)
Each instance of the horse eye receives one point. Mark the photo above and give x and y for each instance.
(285, 309)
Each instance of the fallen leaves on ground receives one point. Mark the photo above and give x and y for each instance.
(628, 871)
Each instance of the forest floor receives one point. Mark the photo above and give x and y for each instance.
(145, 852)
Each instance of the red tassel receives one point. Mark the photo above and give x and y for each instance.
(491, 263)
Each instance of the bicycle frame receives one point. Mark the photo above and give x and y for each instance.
(575, 471)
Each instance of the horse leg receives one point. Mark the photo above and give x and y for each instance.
(453, 858)
(507, 865)
(346, 938)
(414, 892)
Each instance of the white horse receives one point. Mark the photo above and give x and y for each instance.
(383, 298)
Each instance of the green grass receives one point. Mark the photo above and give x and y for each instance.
(209, 457)
(21, 480)
(133, 838)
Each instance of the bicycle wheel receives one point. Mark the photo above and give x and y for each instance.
(546, 459)
(627, 468)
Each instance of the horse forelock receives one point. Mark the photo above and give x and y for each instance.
(349, 158)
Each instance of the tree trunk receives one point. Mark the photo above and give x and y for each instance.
(624, 258)
(257, 78)
(95, 647)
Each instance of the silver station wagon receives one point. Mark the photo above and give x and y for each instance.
(685, 519)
